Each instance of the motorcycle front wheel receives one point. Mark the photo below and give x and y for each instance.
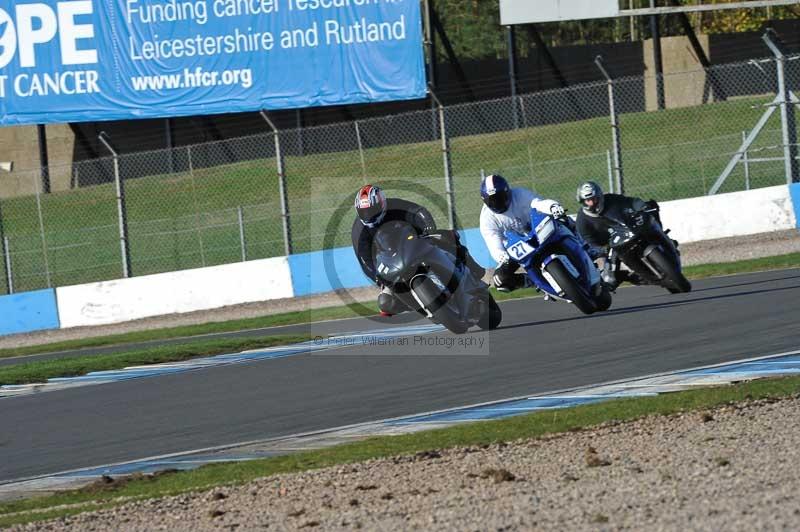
(492, 315)
(603, 301)
(429, 294)
(570, 287)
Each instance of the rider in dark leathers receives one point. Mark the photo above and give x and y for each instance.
(601, 212)
(373, 210)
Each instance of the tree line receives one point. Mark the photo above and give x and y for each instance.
(473, 26)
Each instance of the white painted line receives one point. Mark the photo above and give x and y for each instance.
(207, 362)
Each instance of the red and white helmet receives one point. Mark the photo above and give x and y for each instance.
(370, 205)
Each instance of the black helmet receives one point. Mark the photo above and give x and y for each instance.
(496, 193)
(590, 196)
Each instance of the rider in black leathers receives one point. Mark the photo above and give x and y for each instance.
(600, 213)
(373, 210)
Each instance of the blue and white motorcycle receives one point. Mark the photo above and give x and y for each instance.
(557, 263)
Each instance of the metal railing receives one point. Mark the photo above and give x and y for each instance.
(290, 191)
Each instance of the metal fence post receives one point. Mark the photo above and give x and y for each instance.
(287, 227)
(7, 258)
(189, 160)
(44, 239)
(448, 165)
(44, 161)
(746, 161)
(788, 124)
(512, 72)
(3, 244)
(198, 225)
(615, 129)
(169, 144)
(524, 121)
(361, 153)
(610, 166)
(658, 63)
(242, 241)
(122, 212)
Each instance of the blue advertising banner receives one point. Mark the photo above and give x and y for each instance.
(87, 60)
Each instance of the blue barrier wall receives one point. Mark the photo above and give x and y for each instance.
(309, 275)
(28, 312)
(794, 192)
(477, 247)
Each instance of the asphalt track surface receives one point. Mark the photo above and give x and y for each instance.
(541, 347)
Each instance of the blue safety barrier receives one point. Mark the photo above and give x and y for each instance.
(794, 192)
(28, 312)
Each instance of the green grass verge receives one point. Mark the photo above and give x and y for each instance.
(791, 260)
(40, 371)
(479, 433)
(188, 331)
(779, 262)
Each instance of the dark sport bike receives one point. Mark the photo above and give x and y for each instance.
(645, 248)
(431, 281)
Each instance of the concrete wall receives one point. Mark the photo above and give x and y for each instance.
(725, 215)
(691, 220)
(686, 90)
(175, 292)
(20, 145)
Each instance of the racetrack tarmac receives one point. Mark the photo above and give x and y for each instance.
(540, 347)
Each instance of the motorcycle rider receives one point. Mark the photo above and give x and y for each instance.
(373, 209)
(601, 212)
(505, 208)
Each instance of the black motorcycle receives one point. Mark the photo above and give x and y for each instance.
(646, 249)
(431, 281)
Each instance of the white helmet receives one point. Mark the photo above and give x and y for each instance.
(590, 196)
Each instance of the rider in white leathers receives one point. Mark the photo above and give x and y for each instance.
(504, 209)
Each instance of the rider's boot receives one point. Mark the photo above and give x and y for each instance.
(389, 304)
(518, 280)
(608, 277)
(630, 277)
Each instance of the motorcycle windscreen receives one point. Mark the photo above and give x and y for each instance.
(392, 235)
(620, 236)
(388, 249)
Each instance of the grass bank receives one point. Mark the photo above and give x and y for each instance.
(40, 371)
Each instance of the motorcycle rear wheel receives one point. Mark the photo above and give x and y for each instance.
(673, 280)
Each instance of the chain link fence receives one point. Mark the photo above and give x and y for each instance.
(222, 202)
